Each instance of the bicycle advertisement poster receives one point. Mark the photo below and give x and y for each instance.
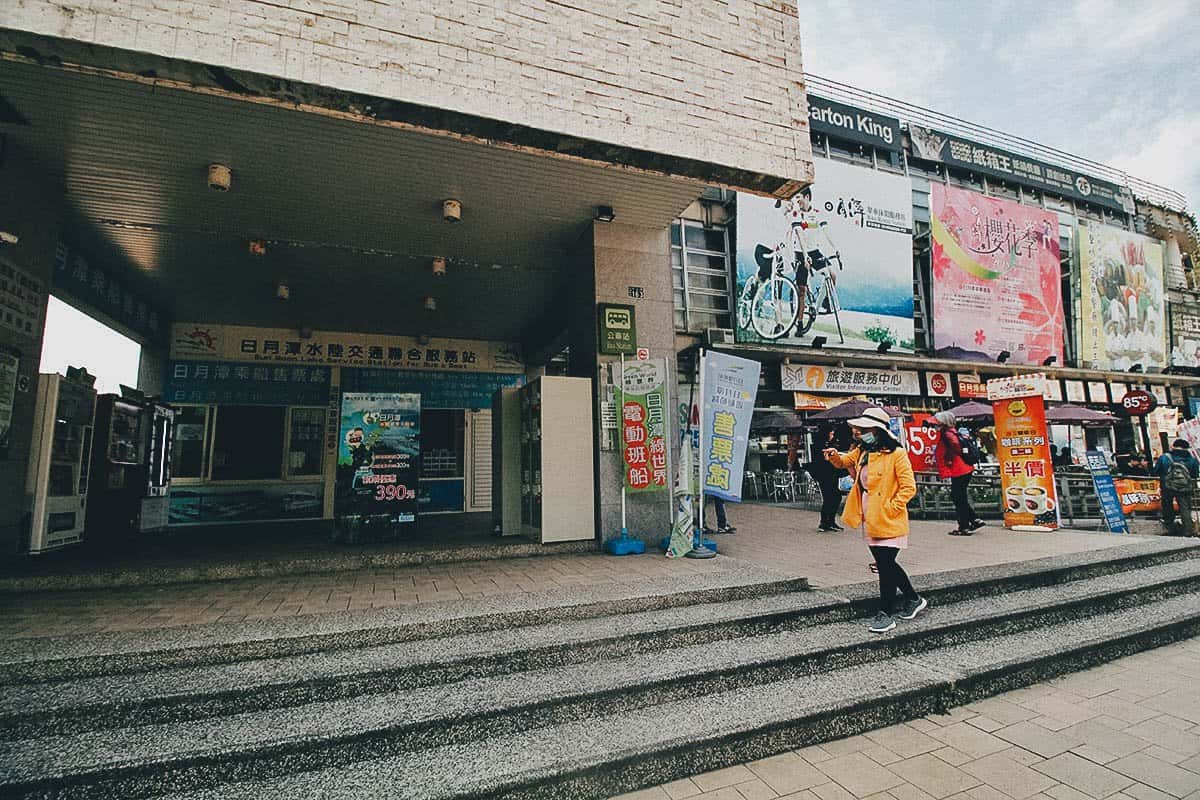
(835, 261)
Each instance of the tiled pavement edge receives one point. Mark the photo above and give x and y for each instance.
(1126, 730)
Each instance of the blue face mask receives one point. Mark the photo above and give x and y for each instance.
(867, 437)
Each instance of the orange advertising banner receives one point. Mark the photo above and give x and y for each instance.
(1139, 494)
(1026, 477)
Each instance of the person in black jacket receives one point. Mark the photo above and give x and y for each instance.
(827, 476)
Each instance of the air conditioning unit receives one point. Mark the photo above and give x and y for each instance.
(719, 336)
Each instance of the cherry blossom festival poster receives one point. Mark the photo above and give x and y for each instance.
(996, 283)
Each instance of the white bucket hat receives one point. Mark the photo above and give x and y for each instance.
(874, 418)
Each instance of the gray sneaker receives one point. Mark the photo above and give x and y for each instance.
(913, 607)
(882, 623)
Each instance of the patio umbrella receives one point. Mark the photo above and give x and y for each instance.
(972, 412)
(1068, 414)
(847, 410)
(776, 422)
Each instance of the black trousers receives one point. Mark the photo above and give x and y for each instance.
(892, 578)
(1169, 499)
(831, 500)
(962, 503)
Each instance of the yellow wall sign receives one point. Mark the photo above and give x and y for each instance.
(196, 341)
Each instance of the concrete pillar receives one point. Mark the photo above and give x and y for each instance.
(627, 256)
(31, 209)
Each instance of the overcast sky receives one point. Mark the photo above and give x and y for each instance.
(1116, 81)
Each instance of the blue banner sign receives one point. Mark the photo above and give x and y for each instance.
(1106, 491)
(729, 386)
(437, 389)
(246, 384)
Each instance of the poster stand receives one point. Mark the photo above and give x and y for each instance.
(700, 546)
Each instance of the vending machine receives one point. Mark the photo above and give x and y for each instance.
(131, 465)
(57, 484)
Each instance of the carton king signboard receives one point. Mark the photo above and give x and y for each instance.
(1023, 447)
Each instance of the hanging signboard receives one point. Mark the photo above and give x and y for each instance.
(971, 387)
(1139, 494)
(1106, 492)
(1054, 391)
(854, 124)
(845, 380)
(728, 389)
(331, 348)
(379, 455)
(1097, 392)
(939, 384)
(1185, 336)
(642, 400)
(997, 286)
(955, 151)
(618, 329)
(1122, 316)
(1138, 403)
(922, 443)
(1023, 448)
(833, 262)
(96, 285)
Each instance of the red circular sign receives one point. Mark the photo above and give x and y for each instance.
(1138, 403)
(938, 384)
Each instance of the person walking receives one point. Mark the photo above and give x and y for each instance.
(952, 465)
(827, 477)
(878, 505)
(1177, 472)
(723, 525)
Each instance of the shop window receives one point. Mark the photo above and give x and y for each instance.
(889, 160)
(820, 144)
(966, 180)
(248, 443)
(700, 273)
(998, 188)
(1031, 197)
(929, 169)
(306, 442)
(849, 151)
(442, 447)
(188, 454)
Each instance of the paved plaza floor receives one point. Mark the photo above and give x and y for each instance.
(784, 540)
(1126, 730)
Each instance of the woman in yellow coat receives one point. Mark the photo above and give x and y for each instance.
(878, 506)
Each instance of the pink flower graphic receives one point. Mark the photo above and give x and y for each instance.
(980, 337)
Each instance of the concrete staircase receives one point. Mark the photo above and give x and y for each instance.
(559, 696)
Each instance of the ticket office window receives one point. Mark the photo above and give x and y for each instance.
(248, 443)
(443, 454)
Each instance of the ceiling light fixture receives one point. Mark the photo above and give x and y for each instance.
(452, 210)
(1003, 357)
(604, 214)
(1049, 361)
(430, 304)
(220, 177)
(258, 247)
(283, 292)
(439, 267)
(818, 342)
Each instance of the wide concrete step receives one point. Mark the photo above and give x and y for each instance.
(259, 685)
(129, 761)
(610, 749)
(48, 659)
(33, 661)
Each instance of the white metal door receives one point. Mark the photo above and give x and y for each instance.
(479, 466)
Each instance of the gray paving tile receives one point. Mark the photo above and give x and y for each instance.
(860, 775)
(787, 773)
(1168, 736)
(1013, 779)
(719, 779)
(970, 740)
(1157, 774)
(1081, 774)
(934, 776)
(1093, 733)
(1037, 739)
(682, 789)
(905, 741)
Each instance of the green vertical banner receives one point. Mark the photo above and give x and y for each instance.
(643, 403)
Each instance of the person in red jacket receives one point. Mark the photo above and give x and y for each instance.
(951, 465)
